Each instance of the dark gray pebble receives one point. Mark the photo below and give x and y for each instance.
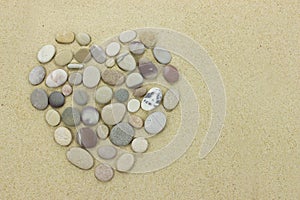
(56, 99)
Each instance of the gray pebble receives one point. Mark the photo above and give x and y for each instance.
(98, 54)
(39, 99)
(162, 55)
(121, 134)
(71, 116)
(107, 152)
(90, 116)
(75, 78)
(155, 123)
(86, 138)
(137, 48)
(37, 75)
(148, 70)
(56, 99)
(121, 95)
(80, 97)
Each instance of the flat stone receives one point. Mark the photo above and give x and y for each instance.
(134, 80)
(83, 39)
(103, 95)
(71, 116)
(137, 48)
(56, 99)
(90, 116)
(113, 77)
(121, 134)
(104, 172)
(39, 99)
(162, 55)
(65, 37)
(125, 162)
(37, 75)
(67, 90)
(91, 76)
(75, 78)
(80, 97)
(152, 99)
(139, 145)
(148, 70)
(148, 38)
(75, 66)
(133, 105)
(83, 55)
(86, 137)
(121, 95)
(171, 99)
(170, 73)
(98, 54)
(46, 53)
(56, 78)
(63, 57)
(135, 121)
(155, 123)
(127, 36)
(126, 62)
(113, 49)
(102, 131)
(63, 136)
(113, 113)
(80, 158)
(107, 152)
(110, 62)
(52, 117)
(139, 92)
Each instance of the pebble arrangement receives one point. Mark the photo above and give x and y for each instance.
(124, 93)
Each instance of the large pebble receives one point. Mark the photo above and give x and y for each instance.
(75, 78)
(52, 117)
(125, 162)
(98, 54)
(126, 62)
(162, 55)
(139, 144)
(170, 73)
(107, 152)
(171, 99)
(121, 134)
(65, 37)
(56, 78)
(135, 121)
(90, 116)
(63, 136)
(91, 76)
(113, 49)
(37, 75)
(39, 99)
(71, 116)
(148, 70)
(75, 66)
(102, 131)
(86, 137)
(56, 99)
(134, 80)
(121, 95)
(113, 113)
(104, 172)
(113, 77)
(80, 97)
(152, 99)
(80, 158)
(63, 57)
(83, 55)
(46, 53)
(103, 94)
(83, 39)
(137, 48)
(139, 92)
(155, 123)
(127, 36)
(148, 38)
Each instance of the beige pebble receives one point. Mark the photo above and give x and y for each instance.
(139, 92)
(63, 57)
(65, 37)
(83, 39)
(104, 172)
(135, 121)
(113, 113)
(52, 117)
(133, 105)
(63, 136)
(125, 162)
(103, 94)
(171, 99)
(102, 131)
(113, 49)
(139, 145)
(113, 77)
(83, 55)
(67, 90)
(80, 158)
(148, 39)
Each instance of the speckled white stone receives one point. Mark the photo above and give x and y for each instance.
(152, 99)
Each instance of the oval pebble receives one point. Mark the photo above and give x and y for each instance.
(56, 78)
(171, 99)
(127, 36)
(113, 77)
(83, 55)
(37, 75)
(65, 37)
(63, 136)
(126, 62)
(75, 78)
(113, 49)
(98, 54)
(80, 97)
(110, 62)
(90, 116)
(148, 70)
(152, 99)
(102, 131)
(83, 39)
(162, 55)
(148, 38)
(46, 53)
(56, 99)
(80, 158)
(137, 48)
(75, 66)
(103, 94)
(170, 73)
(63, 57)
(86, 137)
(121, 134)
(125, 162)
(155, 123)
(67, 90)
(139, 144)
(133, 105)
(71, 116)
(39, 99)
(134, 80)
(139, 92)
(113, 113)
(107, 152)
(52, 117)
(104, 172)
(121, 95)
(135, 121)
(91, 76)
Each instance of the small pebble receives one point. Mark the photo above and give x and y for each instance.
(121, 95)
(152, 99)
(83, 39)
(107, 152)
(121, 134)
(171, 99)
(134, 80)
(102, 131)
(127, 36)
(126, 62)
(90, 116)
(104, 172)
(63, 136)
(98, 54)
(91, 76)
(133, 105)
(80, 97)
(155, 123)
(63, 57)
(113, 49)
(139, 144)
(65, 37)
(56, 78)
(135, 121)
(86, 137)
(56, 99)
(83, 55)
(80, 158)
(52, 117)
(139, 92)
(103, 94)
(37, 75)
(75, 66)
(148, 70)
(46, 53)
(75, 78)
(170, 73)
(137, 48)
(125, 162)
(67, 90)
(113, 77)
(110, 62)
(162, 55)
(113, 113)
(148, 39)
(71, 116)
(39, 99)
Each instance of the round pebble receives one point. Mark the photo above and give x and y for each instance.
(56, 78)
(170, 73)
(86, 137)
(52, 117)
(75, 66)
(98, 54)
(56, 99)
(107, 152)
(39, 99)
(152, 99)
(110, 62)
(121, 95)
(75, 78)
(134, 80)
(155, 123)
(83, 39)
(102, 131)
(162, 55)
(125, 162)
(104, 172)
(71, 116)
(91, 76)
(46, 53)
(90, 116)
(171, 99)
(133, 105)
(83, 55)
(121, 134)
(103, 94)
(127, 36)
(63, 136)
(37, 75)
(67, 90)
(139, 92)
(113, 77)
(65, 37)
(80, 97)
(139, 145)
(80, 158)
(126, 62)
(148, 70)
(137, 48)
(63, 57)
(148, 39)
(113, 49)
(135, 121)
(113, 113)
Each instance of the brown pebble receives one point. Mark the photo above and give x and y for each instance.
(83, 55)
(65, 37)
(139, 92)
(135, 121)
(113, 77)
(104, 172)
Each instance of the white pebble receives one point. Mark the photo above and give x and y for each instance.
(75, 66)
(110, 62)
(46, 53)
(139, 145)
(126, 61)
(162, 55)
(102, 131)
(52, 117)
(127, 36)
(63, 136)
(134, 80)
(56, 78)
(80, 158)
(133, 105)
(155, 123)
(91, 76)
(113, 49)
(125, 162)
(83, 39)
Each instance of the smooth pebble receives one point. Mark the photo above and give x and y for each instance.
(39, 99)
(71, 116)
(134, 80)
(37, 75)
(133, 105)
(103, 94)
(67, 90)
(113, 77)
(110, 62)
(80, 97)
(86, 137)
(91, 76)
(148, 38)
(63, 136)
(139, 145)
(102, 131)
(155, 123)
(56, 99)
(107, 152)
(98, 54)
(83, 55)
(127, 36)
(80, 158)
(135, 121)
(113, 113)
(46, 53)
(75, 78)
(113, 49)
(90, 116)
(65, 37)
(137, 48)
(171, 99)
(125, 162)
(121, 134)
(75, 66)
(139, 92)
(63, 57)
(104, 172)
(152, 99)
(83, 39)
(162, 55)
(56, 78)
(148, 70)
(170, 73)
(126, 62)
(121, 95)
(52, 117)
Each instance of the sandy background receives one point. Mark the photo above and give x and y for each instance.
(256, 48)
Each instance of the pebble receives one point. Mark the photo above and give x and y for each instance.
(65, 37)
(63, 136)
(56, 78)
(98, 54)
(152, 99)
(107, 152)
(135, 121)
(155, 123)
(86, 137)
(75, 66)
(148, 70)
(137, 48)
(80, 97)
(139, 92)
(125, 162)
(46, 53)
(113, 49)
(104, 172)
(170, 73)
(127, 36)
(113, 113)
(110, 62)
(148, 39)
(133, 105)
(113, 77)
(71, 116)
(91, 76)
(134, 80)
(126, 62)
(90, 116)
(121, 134)
(37, 75)
(75, 78)
(52, 117)
(83, 39)
(139, 144)
(64, 57)
(56, 99)
(162, 55)
(121, 95)
(102, 131)
(67, 90)
(80, 158)
(39, 99)
(103, 94)
(171, 99)
(83, 55)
